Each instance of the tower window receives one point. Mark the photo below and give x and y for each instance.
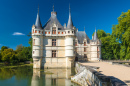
(85, 56)
(35, 31)
(75, 43)
(39, 31)
(62, 32)
(84, 43)
(53, 53)
(72, 31)
(42, 32)
(84, 49)
(45, 32)
(58, 32)
(53, 42)
(75, 49)
(53, 30)
(97, 49)
(49, 32)
(33, 41)
(68, 31)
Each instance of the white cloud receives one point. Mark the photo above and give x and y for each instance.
(18, 33)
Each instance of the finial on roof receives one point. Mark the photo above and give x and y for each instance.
(38, 8)
(53, 7)
(70, 23)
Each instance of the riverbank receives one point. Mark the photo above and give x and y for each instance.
(2, 65)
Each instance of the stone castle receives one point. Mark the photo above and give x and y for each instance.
(57, 46)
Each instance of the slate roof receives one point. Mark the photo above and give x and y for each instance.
(95, 36)
(81, 35)
(38, 24)
(70, 23)
(53, 19)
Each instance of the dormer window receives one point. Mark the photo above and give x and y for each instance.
(84, 43)
(53, 30)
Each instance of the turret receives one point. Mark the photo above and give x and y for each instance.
(37, 37)
(95, 47)
(69, 42)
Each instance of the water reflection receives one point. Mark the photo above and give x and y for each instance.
(27, 76)
(52, 77)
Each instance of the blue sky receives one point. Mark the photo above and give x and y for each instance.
(18, 16)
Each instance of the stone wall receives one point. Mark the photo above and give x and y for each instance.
(89, 76)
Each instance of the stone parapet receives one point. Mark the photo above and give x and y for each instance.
(89, 76)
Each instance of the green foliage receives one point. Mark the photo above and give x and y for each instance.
(8, 55)
(3, 47)
(117, 44)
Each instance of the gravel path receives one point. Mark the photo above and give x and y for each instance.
(118, 71)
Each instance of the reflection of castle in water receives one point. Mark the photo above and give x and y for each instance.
(52, 77)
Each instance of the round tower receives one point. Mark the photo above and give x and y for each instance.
(37, 46)
(69, 43)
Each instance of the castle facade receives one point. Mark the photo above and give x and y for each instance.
(57, 46)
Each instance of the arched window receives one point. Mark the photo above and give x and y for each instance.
(53, 30)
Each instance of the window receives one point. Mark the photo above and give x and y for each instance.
(84, 43)
(33, 52)
(85, 56)
(49, 32)
(75, 43)
(45, 32)
(97, 49)
(53, 53)
(75, 49)
(53, 42)
(53, 82)
(42, 32)
(62, 32)
(33, 41)
(68, 31)
(72, 31)
(39, 31)
(35, 31)
(53, 30)
(84, 49)
(58, 32)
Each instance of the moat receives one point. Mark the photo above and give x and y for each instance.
(27, 76)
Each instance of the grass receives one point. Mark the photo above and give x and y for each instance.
(2, 65)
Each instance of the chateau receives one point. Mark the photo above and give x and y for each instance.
(57, 46)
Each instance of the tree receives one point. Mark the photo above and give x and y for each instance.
(3, 47)
(19, 48)
(121, 32)
(8, 55)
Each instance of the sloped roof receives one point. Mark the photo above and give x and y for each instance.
(70, 23)
(38, 24)
(95, 36)
(53, 20)
(81, 35)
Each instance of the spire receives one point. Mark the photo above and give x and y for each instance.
(53, 7)
(95, 35)
(70, 23)
(38, 22)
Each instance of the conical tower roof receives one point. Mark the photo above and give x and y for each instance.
(70, 23)
(95, 35)
(38, 24)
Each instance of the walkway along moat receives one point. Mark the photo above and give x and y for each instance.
(94, 74)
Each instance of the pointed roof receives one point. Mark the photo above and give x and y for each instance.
(38, 24)
(53, 20)
(70, 23)
(95, 35)
(81, 35)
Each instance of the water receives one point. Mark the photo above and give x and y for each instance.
(27, 76)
